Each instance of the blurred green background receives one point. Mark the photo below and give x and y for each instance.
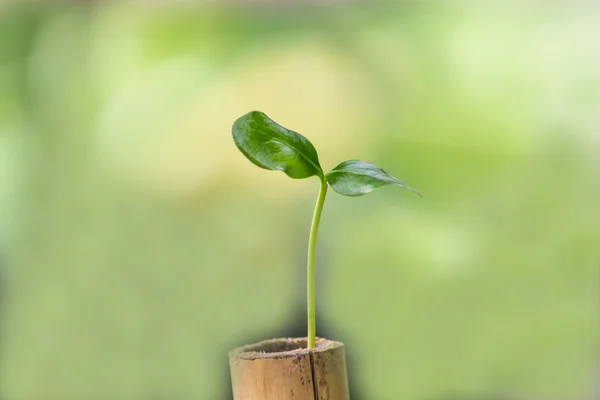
(138, 246)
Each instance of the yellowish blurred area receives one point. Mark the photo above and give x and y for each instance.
(138, 246)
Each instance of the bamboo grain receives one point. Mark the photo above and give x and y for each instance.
(280, 369)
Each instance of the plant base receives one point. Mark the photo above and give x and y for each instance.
(285, 369)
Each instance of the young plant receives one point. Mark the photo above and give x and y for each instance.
(271, 146)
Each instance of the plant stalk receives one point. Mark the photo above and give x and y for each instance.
(310, 276)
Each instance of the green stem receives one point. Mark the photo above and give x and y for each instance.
(310, 276)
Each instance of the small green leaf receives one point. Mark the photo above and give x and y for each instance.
(271, 146)
(355, 178)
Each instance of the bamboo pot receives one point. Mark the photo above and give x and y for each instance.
(284, 369)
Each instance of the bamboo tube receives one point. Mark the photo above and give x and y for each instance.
(284, 369)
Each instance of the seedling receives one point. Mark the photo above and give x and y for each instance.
(271, 146)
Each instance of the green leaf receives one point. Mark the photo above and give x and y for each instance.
(355, 178)
(271, 146)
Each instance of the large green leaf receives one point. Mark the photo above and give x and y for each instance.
(355, 178)
(271, 146)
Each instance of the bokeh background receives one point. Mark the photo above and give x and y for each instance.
(138, 246)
